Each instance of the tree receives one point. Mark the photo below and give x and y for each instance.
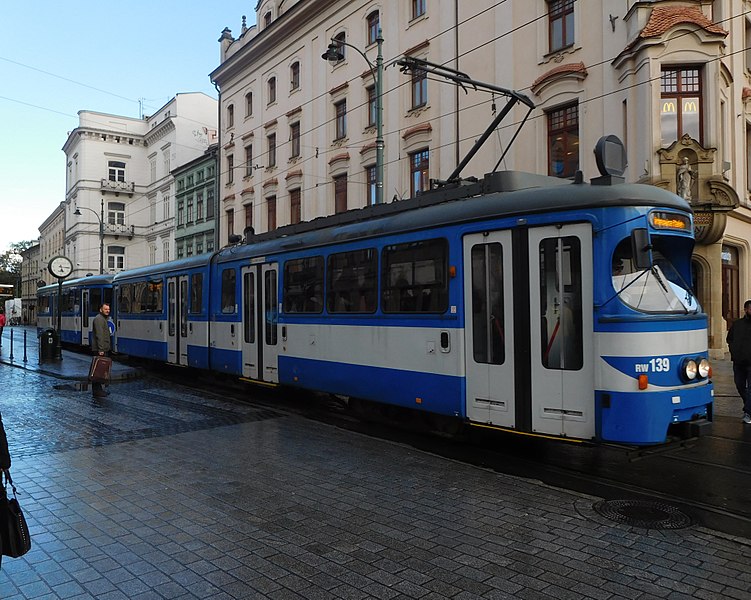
(10, 261)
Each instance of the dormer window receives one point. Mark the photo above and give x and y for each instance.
(267, 19)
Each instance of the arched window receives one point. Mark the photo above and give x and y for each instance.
(374, 24)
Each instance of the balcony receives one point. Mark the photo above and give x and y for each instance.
(127, 187)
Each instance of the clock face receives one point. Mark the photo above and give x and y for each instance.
(60, 267)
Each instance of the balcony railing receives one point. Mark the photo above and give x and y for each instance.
(118, 186)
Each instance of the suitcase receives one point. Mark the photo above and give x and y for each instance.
(99, 372)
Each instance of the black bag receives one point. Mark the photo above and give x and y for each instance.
(14, 533)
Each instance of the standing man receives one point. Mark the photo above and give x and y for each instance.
(100, 343)
(739, 341)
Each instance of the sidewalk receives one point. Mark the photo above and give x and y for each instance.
(24, 353)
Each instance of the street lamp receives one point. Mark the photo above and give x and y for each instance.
(100, 218)
(333, 54)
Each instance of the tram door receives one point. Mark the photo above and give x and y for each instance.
(489, 329)
(560, 320)
(177, 320)
(260, 324)
(85, 318)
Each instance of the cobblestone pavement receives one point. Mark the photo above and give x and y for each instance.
(161, 493)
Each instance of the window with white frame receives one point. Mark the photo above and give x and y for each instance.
(115, 257)
(165, 251)
(249, 104)
(116, 213)
(116, 170)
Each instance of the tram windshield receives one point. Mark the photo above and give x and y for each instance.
(659, 289)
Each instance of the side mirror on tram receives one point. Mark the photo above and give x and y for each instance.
(641, 247)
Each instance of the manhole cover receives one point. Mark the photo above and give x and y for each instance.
(643, 513)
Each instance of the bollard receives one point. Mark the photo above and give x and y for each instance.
(25, 359)
(11, 345)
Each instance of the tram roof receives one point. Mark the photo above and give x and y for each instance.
(180, 265)
(499, 195)
(103, 279)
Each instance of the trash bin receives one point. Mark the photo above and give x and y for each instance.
(48, 344)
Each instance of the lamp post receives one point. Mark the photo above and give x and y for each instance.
(333, 54)
(100, 218)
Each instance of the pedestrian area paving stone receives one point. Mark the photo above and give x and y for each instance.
(163, 492)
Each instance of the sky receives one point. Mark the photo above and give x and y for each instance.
(58, 58)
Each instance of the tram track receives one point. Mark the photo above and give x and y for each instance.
(695, 476)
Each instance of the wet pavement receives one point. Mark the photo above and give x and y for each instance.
(161, 492)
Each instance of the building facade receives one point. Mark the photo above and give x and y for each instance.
(30, 279)
(51, 240)
(195, 200)
(671, 78)
(120, 192)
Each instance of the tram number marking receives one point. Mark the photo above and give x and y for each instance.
(655, 365)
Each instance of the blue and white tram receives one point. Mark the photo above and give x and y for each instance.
(162, 312)
(515, 302)
(81, 299)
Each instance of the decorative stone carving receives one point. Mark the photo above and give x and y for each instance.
(693, 172)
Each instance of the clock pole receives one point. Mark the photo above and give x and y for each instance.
(59, 347)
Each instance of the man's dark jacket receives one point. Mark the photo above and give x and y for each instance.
(739, 340)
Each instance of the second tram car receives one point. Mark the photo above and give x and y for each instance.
(81, 299)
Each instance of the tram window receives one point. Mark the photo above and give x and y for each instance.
(44, 304)
(662, 288)
(196, 293)
(351, 284)
(69, 301)
(124, 298)
(487, 304)
(228, 291)
(249, 308)
(107, 297)
(413, 277)
(270, 308)
(561, 303)
(95, 300)
(303, 285)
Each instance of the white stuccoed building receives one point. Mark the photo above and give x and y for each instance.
(119, 198)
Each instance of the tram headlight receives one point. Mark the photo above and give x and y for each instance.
(704, 368)
(689, 369)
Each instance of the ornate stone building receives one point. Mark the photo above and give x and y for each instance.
(669, 77)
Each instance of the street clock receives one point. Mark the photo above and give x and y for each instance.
(60, 267)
